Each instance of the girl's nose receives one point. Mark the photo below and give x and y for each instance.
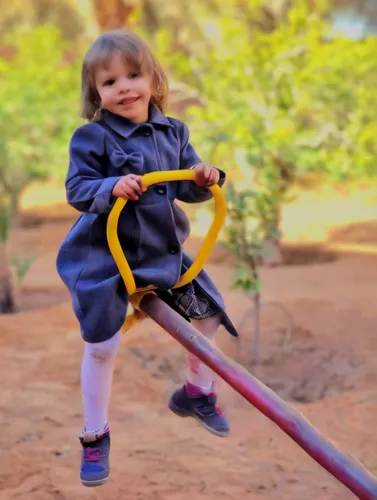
(124, 84)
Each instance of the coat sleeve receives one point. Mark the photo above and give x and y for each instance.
(87, 187)
(189, 192)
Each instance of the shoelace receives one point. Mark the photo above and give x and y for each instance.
(92, 454)
(210, 407)
(209, 410)
(219, 410)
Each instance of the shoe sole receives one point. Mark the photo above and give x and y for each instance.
(185, 413)
(97, 482)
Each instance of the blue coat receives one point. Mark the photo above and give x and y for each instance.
(151, 230)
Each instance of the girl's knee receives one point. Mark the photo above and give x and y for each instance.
(102, 352)
(208, 326)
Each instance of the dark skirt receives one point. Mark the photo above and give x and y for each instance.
(189, 301)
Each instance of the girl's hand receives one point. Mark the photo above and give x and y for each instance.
(129, 187)
(206, 175)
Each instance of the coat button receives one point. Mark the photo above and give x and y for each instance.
(161, 189)
(173, 250)
(147, 132)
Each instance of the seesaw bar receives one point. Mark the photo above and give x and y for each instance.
(343, 467)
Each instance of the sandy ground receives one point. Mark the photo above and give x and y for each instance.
(327, 370)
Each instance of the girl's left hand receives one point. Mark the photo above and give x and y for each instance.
(206, 175)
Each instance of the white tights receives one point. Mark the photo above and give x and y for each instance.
(198, 373)
(97, 374)
(96, 381)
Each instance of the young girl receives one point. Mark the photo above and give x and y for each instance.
(124, 94)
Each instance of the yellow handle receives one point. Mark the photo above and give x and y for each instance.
(205, 250)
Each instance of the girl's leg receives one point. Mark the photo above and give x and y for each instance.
(197, 398)
(199, 375)
(96, 382)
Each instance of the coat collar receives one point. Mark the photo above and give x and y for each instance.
(125, 127)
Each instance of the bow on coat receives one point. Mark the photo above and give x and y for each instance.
(134, 161)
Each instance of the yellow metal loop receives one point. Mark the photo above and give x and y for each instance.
(205, 250)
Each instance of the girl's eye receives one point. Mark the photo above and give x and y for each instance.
(134, 75)
(111, 81)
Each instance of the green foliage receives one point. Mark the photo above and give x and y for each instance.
(244, 234)
(39, 98)
(281, 103)
(4, 224)
(244, 280)
(22, 266)
(287, 100)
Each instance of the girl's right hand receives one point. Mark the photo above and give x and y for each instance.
(129, 187)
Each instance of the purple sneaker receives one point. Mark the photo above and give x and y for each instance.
(95, 467)
(189, 402)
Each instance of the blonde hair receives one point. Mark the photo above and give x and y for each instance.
(135, 53)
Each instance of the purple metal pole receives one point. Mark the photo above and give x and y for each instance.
(343, 467)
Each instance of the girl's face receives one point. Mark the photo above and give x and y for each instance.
(123, 91)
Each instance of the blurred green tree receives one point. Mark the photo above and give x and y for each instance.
(279, 97)
(39, 99)
(278, 104)
(39, 109)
